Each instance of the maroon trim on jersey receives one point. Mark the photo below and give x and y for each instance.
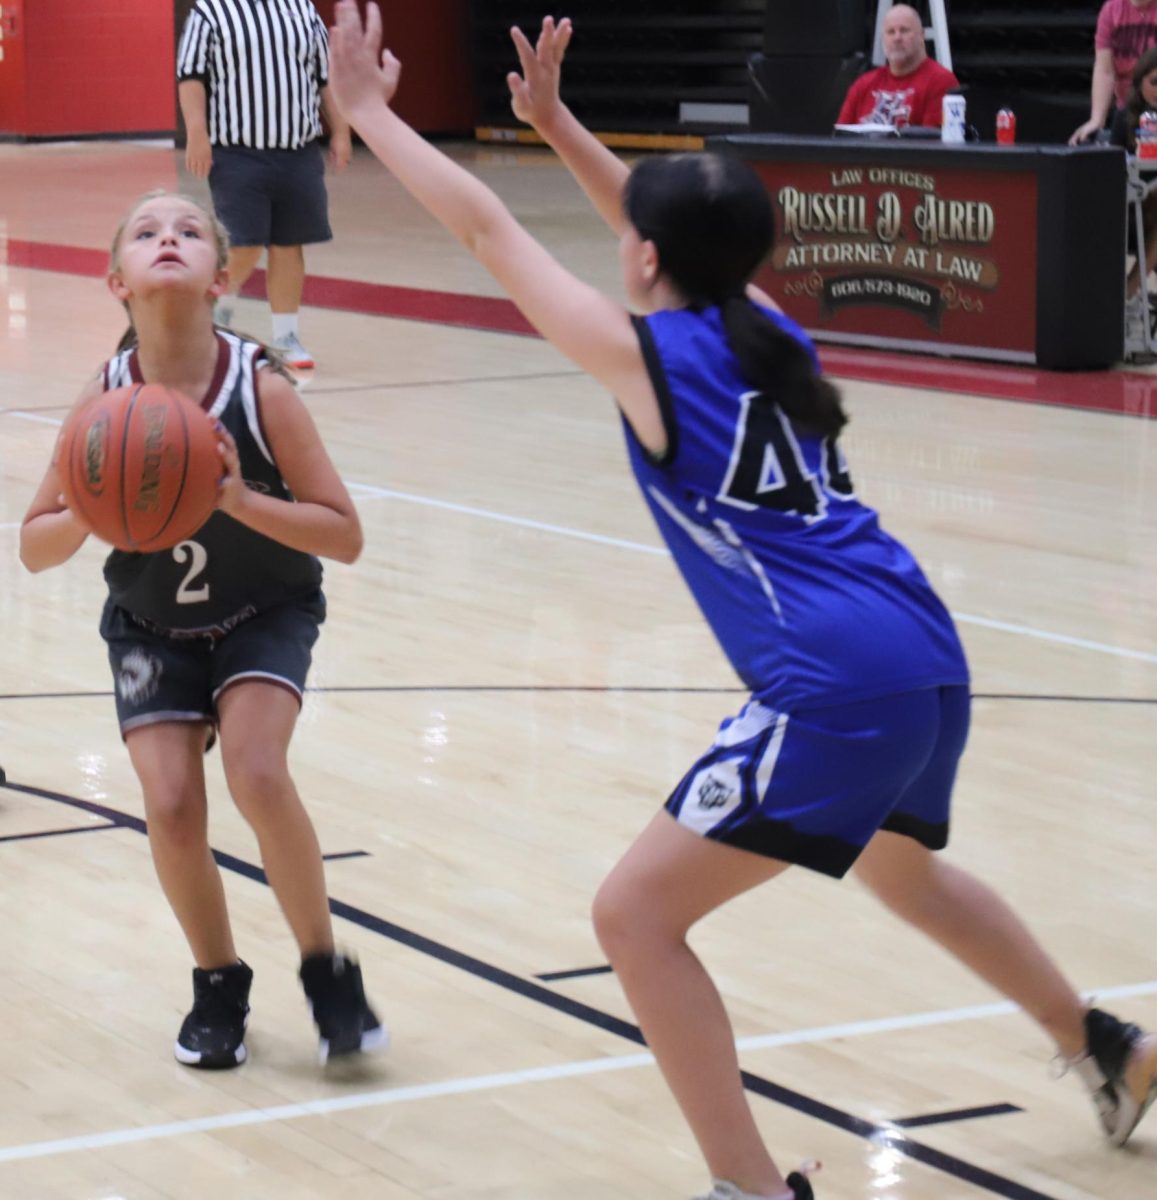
(259, 360)
(219, 371)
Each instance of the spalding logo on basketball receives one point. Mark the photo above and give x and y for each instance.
(95, 453)
(140, 466)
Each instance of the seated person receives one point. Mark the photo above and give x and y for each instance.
(1125, 30)
(1142, 98)
(909, 88)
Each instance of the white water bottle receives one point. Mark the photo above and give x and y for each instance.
(952, 119)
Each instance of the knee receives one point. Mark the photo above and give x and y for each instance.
(915, 895)
(177, 817)
(627, 922)
(259, 782)
(899, 895)
(611, 915)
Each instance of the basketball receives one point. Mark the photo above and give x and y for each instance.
(140, 466)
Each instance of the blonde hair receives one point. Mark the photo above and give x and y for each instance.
(220, 234)
(220, 238)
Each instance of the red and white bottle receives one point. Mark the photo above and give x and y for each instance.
(1147, 135)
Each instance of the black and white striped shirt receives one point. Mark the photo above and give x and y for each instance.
(263, 64)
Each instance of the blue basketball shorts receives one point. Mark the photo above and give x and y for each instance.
(812, 787)
(175, 676)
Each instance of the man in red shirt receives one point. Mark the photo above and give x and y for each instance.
(909, 89)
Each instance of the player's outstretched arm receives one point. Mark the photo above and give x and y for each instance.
(535, 99)
(591, 329)
(51, 533)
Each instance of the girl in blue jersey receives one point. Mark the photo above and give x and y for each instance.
(846, 753)
(217, 633)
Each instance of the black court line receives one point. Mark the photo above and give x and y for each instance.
(881, 1135)
(421, 383)
(48, 833)
(592, 689)
(960, 1114)
(346, 854)
(580, 973)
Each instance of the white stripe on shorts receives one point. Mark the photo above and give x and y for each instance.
(767, 763)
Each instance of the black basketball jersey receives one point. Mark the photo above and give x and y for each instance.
(225, 572)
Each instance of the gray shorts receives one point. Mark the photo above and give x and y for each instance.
(271, 197)
(169, 676)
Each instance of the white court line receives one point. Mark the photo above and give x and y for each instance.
(486, 1083)
(1044, 635)
(27, 416)
(378, 493)
(369, 490)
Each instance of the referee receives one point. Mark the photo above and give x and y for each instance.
(252, 78)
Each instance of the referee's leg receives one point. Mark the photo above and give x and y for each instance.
(240, 182)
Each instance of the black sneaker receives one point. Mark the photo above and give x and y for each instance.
(1120, 1071)
(345, 1022)
(213, 1035)
(799, 1183)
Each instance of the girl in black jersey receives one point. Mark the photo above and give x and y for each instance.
(215, 635)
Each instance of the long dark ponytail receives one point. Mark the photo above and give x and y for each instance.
(711, 221)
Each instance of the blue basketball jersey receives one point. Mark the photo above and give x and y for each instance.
(813, 603)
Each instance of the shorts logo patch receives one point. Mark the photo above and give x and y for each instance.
(139, 676)
(715, 793)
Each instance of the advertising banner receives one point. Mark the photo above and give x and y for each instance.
(926, 255)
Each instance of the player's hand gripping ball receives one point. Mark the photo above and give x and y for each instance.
(140, 466)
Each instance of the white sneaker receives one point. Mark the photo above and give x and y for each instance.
(293, 352)
(1120, 1070)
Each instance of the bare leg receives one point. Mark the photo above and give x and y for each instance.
(667, 881)
(168, 759)
(973, 923)
(1150, 222)
(286, 280)
(257, 721)
(243, 261)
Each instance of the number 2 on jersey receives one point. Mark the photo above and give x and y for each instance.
(767, 467)
(197, 557)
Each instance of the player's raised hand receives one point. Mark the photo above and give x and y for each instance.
(534, 94)
(362, 75)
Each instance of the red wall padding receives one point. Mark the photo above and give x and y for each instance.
(99, 66)
(13, 81)
(107, 66)
(431, 37)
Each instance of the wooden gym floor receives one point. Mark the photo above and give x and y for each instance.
(511, 679)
